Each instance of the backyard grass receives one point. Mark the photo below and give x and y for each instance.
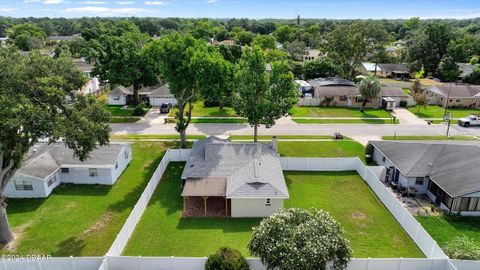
(371, 229)
(373, 232)
(298, 111)
(116, 110)
(321, 149)
(82, 220)
(223, 120)
(199, 110)
(344, 121)
(444, 228)
(284, 137)
(429, 138)
(434, 111)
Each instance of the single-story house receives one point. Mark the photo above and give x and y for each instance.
(154, 95)
(48, 165)
(311, 55)
(223, 178)
(461, 95)
(394, 71)
(466, 69)
(344, 93)
(443, 171)
(92, 86)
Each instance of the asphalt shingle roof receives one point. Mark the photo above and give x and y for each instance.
(452, 165)
(394, 67)
(457, 90)
(250, 169)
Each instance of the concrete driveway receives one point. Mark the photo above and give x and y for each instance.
(407, 118)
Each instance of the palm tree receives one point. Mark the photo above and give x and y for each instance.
(369, 89)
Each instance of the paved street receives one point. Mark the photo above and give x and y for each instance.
(296, 129)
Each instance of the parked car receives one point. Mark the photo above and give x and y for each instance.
(471, 120)
(165, 107)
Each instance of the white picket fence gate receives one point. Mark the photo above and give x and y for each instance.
(436, 258)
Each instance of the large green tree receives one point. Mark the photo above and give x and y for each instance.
(323, 67)
(176, 58)
(121, 61)
(33, 95)
(369, 89)
(427, 46)
(348, 45)
(299, 239)
(262, 97)
(264, 42)
(27, 36)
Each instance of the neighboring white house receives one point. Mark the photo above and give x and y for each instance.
(48, 165)
(223, 178)
(92, 86)
(444, 171)
(155, 95)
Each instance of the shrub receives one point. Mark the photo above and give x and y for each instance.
(403, 103)
(226, 259)
(139, 110)
(474, 60)
(369, 153)
(463, 248)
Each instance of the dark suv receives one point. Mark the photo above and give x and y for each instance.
(165, 107)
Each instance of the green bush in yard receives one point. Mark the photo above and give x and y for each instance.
(139, 110)
(226, 259)
(403, 103)
(463, 248)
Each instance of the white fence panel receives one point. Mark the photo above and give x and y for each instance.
(466, 265)
(65, 263)
(155, 263)
(178, 154)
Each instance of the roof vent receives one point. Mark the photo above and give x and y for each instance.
(430, 164)
(191, 166)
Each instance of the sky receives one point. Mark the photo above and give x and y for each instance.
(332, 9)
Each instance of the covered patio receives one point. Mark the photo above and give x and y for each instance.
(205, 197)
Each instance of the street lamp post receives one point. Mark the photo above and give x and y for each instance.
(447, 117)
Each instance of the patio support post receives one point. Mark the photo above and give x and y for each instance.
(184, 202)
(226, 206)
(205, 202)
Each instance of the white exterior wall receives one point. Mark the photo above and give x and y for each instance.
(122, 162)
(254, 207)
(157, 101)
(122, 100)
(39, 188)
(80, 175)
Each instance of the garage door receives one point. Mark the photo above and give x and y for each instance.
(157, 101)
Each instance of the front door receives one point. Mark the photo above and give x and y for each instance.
(349, 102)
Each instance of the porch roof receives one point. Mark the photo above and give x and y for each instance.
(205, 187)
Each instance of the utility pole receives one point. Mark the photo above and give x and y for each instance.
(448, 118)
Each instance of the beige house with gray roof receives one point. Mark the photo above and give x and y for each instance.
(223, 178)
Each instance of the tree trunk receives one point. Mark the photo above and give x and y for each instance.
(6, 235)
(255, 132)
(183, 139)
(220, 104)
(135, 95)
(364, 104)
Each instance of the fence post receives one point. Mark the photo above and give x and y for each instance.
(433, 248)
(71, 263)
(367, 266)
(400, 263)
(139, 261)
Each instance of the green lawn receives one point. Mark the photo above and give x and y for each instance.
(344, 121)
(116, 120)
(223, 120)
(371, 229)
(434, 111)
(83, 220)
(322, 149)
(199, 110)
(298, 111)
(155, 137)
(444, 228)
(285, 137)
(116, 110)
(429, 138)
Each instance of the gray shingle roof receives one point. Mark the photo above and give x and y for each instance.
(331, 81)
(157, 90)
(162, 91)
(251, 169)
(394, 67)
(457, 90)
(388, 91)
(44, 159)
(452, 165)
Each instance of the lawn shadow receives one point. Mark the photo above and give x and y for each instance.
(168, 191)
(227, 225)
(73, 246)
(16, 206)
(81, 190)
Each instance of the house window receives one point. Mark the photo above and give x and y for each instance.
(458, 100)
(65, 170)
(267, 202)
(419, 181)
(343, 98)
(93, 172)
(383, 159)
(359, 99)
(23, 185)
(116, 98)
(51, 180)
(126, 154)
(116, 165)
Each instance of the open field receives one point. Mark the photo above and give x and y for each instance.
(200, 111)
(373, 232)
(298, 111)
(434, 111)
(83, 220)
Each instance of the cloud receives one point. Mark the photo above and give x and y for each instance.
(125, 2)
(32, 1)
(154, 3)
(93, 3)
(104, 11)
(212, 1)
(52, 2)
(7, 9)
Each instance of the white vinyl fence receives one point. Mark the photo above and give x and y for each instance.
(132, 220)
(65, 263)
(466, 265)
(414, 229)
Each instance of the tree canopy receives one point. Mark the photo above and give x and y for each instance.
(369, 89)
